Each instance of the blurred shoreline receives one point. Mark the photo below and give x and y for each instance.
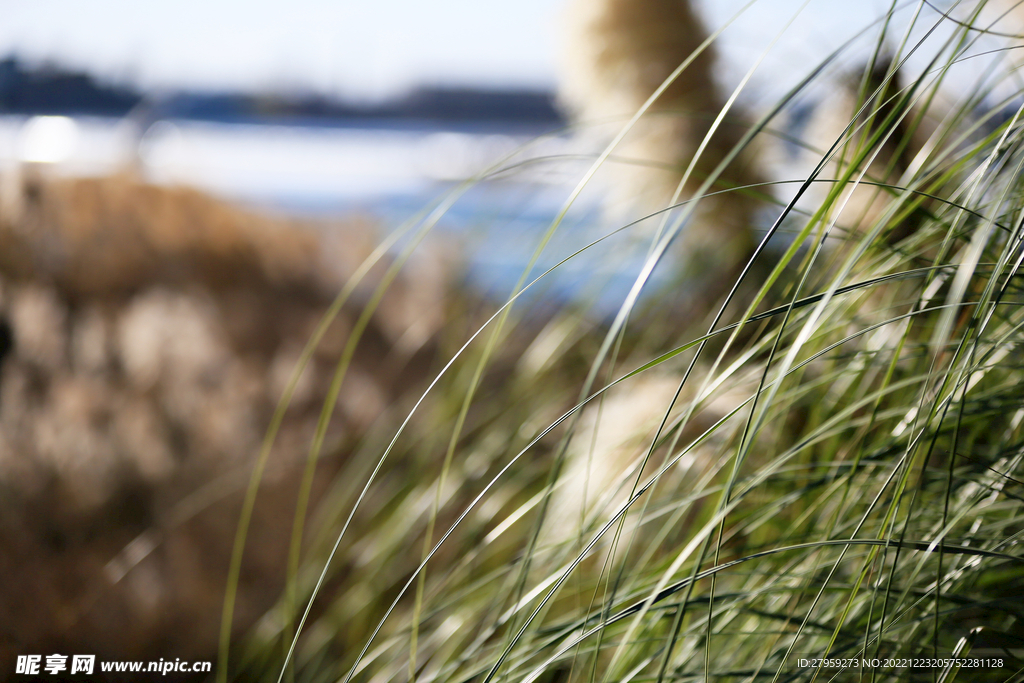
(309, 157)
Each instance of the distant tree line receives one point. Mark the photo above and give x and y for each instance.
(50, 89)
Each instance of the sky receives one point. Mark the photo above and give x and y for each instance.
(373, 49)
(355, 48)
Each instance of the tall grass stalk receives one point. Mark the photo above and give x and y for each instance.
(838, 473)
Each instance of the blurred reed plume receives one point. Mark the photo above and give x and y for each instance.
(147, 334)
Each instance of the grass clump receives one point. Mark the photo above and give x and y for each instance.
(821, 457)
